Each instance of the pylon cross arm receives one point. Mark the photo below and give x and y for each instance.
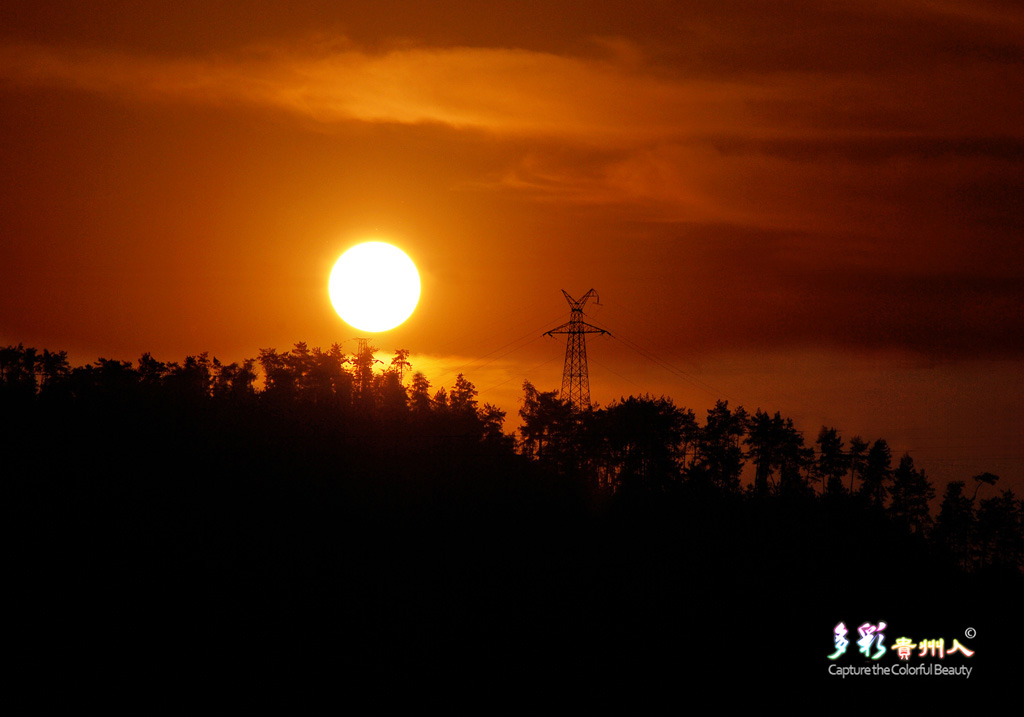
(575, 329)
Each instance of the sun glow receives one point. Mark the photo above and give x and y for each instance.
(374, 286)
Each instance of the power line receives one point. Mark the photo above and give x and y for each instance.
(611, 370)
(679, 373)
(531, 335)
(529, 370)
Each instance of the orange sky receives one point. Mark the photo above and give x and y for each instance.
(809, 209)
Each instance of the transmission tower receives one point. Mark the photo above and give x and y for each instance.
(575, 377)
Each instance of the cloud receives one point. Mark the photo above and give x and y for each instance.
(497, 90)
(782, 148)
(617, 99)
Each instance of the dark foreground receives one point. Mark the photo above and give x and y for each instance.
(163, 561)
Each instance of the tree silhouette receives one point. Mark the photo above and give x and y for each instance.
(983, 479)
(363, 373)
(795, 462)
(439, 403)
(192, 380)
(234, 382)
(910, 494)
(419, 396)
(954, 527)
(392, 398)
(151, 372)
(877, 472)
(327, 381)
(646, 439)
(832, 462)
(462, 409)
(1000, 532)
(764, 438)
(52, 369)
(18, 372)
(462, 398)
(547, 426)
(857, 459)
(400, 363)
(719, 455)
(492, 420)
(777, 447)
(278, 380)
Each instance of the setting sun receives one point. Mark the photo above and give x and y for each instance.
(374, 286)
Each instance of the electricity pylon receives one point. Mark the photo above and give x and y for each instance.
(575, 378)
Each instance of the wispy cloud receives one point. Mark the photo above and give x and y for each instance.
(811, 148)
(617, 99)
(497, 90)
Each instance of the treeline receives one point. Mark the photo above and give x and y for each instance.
(356, 391)
(324, 513)
(638, 445)
(650, 444)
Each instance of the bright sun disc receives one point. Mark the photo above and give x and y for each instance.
(374, 286)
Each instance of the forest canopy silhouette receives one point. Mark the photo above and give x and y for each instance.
(314, 500)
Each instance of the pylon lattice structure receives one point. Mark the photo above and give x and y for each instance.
(575, 377)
